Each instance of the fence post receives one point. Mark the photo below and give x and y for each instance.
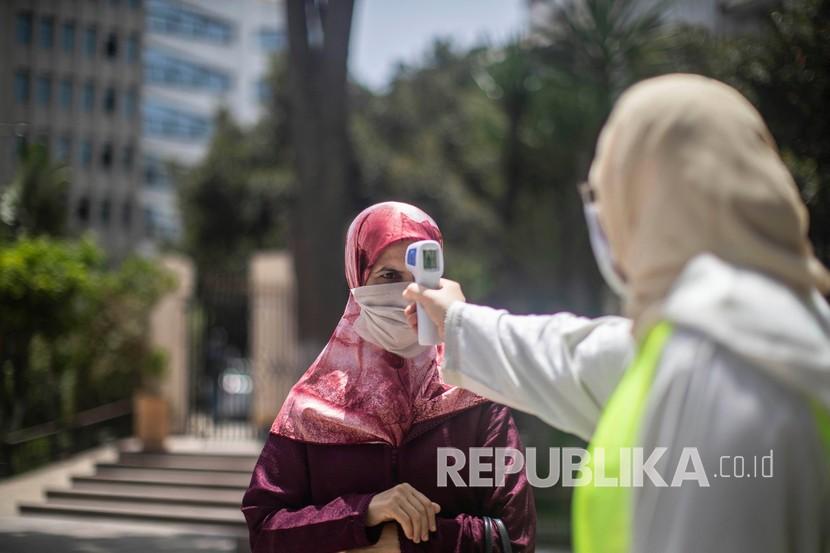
(273, 333)
(169, 331)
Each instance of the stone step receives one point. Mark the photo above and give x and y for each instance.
(169, 495)
(225, 462)
(216, 517)
(177, 475)
(83, 482)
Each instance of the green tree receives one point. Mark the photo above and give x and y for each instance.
(35, 202)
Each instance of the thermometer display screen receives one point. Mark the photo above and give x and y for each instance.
(430, 260)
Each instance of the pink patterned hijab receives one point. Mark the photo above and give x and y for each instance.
(356, 392)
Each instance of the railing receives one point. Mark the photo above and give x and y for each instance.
(44, 443)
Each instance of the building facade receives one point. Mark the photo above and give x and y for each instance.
(71, 79)
(199, 56)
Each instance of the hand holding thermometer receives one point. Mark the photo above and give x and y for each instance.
(425, 261)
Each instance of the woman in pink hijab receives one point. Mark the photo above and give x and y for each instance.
(351, 462)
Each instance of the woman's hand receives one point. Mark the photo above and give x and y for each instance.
(388, 542)
(408, 507)
(436, 302)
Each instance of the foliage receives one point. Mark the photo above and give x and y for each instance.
(35, 202)
(234, 202)
(73, 333)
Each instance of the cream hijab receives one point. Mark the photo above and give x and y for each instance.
(686, 165)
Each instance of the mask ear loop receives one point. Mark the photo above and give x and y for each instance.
(599, 242)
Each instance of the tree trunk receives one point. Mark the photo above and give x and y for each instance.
(318, 37)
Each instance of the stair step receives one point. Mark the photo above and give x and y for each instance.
(170, 496)
(230, 462)
(178, 476)
(206, 482)
(212, 516)
(120, 465)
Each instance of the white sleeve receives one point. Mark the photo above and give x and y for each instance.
(561, 368)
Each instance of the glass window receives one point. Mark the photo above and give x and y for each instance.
(263, 90)
(111, 46)
(127, 157)
(106, 208)
(21, 86)
(68, 39)
(86, 153)
(106, 156)
(271, 40)
(89, 96)
(155, 172)
(63, 148)
(109, 101)
(133, 47)
(47, 32)
(135, 4)
(24, 29)
(163, 68)
(131, 103)
(166, 17)
(91, 41)
(174, 123)
(67, 93)
(44, 90)
(83, 209)
(127, 212)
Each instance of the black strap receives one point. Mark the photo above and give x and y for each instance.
(504, 535)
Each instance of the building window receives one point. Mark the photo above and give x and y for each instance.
(21, 86)
(173, 123)
(47, 32)
(109, 101)
(68, 38)
(271, 40)
(168, 18)
(66, 93)
(127, 212)
(127, 158)
(162, 68)
(155, 172)
(106, 156)
(134, 4)
(263, 90)
(44, 90)
(105, 211)
(89, 97)
(91, 42)
(86, 153)
(24, 29)
(83, 209)
(115, 4)
(130, 103)
(63, 148)
(133, 47)
(111, 46)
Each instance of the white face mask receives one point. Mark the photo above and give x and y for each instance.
(382, 320)
(602, 251)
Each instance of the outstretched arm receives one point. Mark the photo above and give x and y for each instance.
(561, 368)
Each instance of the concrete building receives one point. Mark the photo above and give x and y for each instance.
(71, 71)
(199, 56)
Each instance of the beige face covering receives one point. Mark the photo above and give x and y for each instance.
(686, 165)
(382, 320)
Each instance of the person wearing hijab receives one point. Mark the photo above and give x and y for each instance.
(723, 358)
(351, 460)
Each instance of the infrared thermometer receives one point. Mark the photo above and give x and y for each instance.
(425, 261)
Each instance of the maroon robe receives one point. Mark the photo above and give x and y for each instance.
(312, 498)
